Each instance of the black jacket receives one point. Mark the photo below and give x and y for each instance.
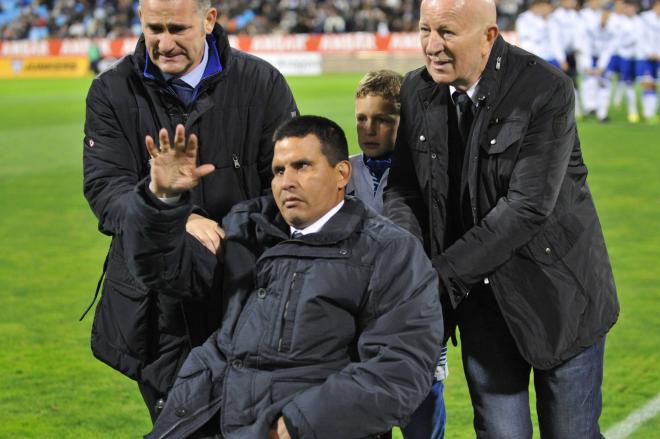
(339, 331)
(536, 236)
(136, 330)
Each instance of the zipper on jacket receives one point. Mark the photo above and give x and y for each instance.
(280, 343)
(241, 178)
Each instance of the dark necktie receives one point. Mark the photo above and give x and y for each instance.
(296, 235)
(464, 113)
(183, 90)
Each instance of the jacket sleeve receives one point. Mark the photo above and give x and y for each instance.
(532, 193)
(158, 250)
(279, 107)
(403, 201)
(112, 167)
(398, 347)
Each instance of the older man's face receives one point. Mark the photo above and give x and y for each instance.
(174, 32)
(454, 45)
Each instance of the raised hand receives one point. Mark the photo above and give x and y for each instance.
(174, 168)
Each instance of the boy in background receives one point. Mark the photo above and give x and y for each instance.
(377, 110)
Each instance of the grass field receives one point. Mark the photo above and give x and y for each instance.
(52, 387)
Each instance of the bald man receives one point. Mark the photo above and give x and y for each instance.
(488, 172)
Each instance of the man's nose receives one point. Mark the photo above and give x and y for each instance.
(434, 44)
(166, 43)
(289, 178)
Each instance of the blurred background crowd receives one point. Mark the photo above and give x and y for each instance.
(39, 19)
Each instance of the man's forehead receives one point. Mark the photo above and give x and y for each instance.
(291, 149)
(171, 9)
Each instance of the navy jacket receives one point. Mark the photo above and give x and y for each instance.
(338, 331)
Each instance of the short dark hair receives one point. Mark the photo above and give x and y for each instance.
(334, 145)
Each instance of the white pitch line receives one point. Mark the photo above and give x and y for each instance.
(628, 426)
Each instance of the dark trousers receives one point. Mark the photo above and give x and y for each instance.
(568, 396)
(428, 421)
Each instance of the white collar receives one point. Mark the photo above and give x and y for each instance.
(319, 223)
(471, 91)
(194, 77)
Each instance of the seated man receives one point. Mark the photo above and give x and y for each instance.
(333, 322)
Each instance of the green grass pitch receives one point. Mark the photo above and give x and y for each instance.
(52, 387)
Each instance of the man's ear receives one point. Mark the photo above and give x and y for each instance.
(491, 34)
(209, 21)
(344, 170)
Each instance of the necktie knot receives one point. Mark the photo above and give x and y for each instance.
(183, 90)
(462, 101)
(296, 235)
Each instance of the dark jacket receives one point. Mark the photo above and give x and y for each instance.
(136, 330)
(536, 235)
(337, 331)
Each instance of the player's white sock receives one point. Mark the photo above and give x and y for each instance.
(618, 92)
(631, 96)
(604, 93)
(589, 92)
(649, 103)
(578, 104)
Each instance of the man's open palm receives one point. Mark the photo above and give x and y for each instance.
(174, 168)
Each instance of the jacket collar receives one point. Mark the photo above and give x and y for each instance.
(491, 77)
(271, 225)
(219, 56)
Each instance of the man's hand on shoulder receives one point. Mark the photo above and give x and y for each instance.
(279, 430)
(174, 168)
(206, 231)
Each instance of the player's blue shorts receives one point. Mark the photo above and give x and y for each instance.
(623, 67)
(647, 69)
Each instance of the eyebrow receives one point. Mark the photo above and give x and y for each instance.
(171, 27)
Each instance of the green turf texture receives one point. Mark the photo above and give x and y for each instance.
(52, 387)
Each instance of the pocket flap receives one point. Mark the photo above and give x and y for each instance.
(503, 133)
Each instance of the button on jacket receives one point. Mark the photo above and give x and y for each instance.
(338, 331)
(137, 331)
(536, 234)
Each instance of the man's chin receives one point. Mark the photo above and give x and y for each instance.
(441, 76)
(172, 68)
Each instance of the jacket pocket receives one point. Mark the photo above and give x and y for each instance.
(502, 133)
(120, 332)
(556, 240)
(288, 314)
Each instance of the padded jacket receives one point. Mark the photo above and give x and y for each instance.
(536, 235)
(136, 330)
(338, 331)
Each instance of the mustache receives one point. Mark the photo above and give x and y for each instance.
(157, 52)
